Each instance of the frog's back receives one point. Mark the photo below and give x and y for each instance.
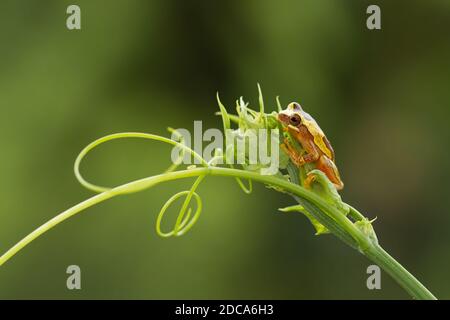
(320, 139)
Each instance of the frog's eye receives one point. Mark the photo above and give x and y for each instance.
(295, 120)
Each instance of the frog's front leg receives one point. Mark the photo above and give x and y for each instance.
(312, 154)
(304, 138)
(293, 154)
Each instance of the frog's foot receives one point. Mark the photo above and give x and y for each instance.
(326, 188)
(316, 176)
(310, 178)
(324, 185)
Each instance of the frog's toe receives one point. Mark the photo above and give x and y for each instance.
(310, 178)
(314, 176)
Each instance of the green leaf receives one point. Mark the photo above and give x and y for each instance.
(320, 228)
(223, 113)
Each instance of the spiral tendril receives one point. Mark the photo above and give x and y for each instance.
(183, 222)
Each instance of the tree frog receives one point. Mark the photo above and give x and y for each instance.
(317, 149)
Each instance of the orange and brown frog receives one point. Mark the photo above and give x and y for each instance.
(317, 149)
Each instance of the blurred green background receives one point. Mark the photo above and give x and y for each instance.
(382, 97)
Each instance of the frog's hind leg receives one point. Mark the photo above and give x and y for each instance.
(328, 167)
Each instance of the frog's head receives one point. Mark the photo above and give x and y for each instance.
(291, 116)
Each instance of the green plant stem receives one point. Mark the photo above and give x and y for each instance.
(365, 246)
(402, 276)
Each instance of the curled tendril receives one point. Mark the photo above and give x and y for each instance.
(182, 224)
(244, 188)
(123, 135)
